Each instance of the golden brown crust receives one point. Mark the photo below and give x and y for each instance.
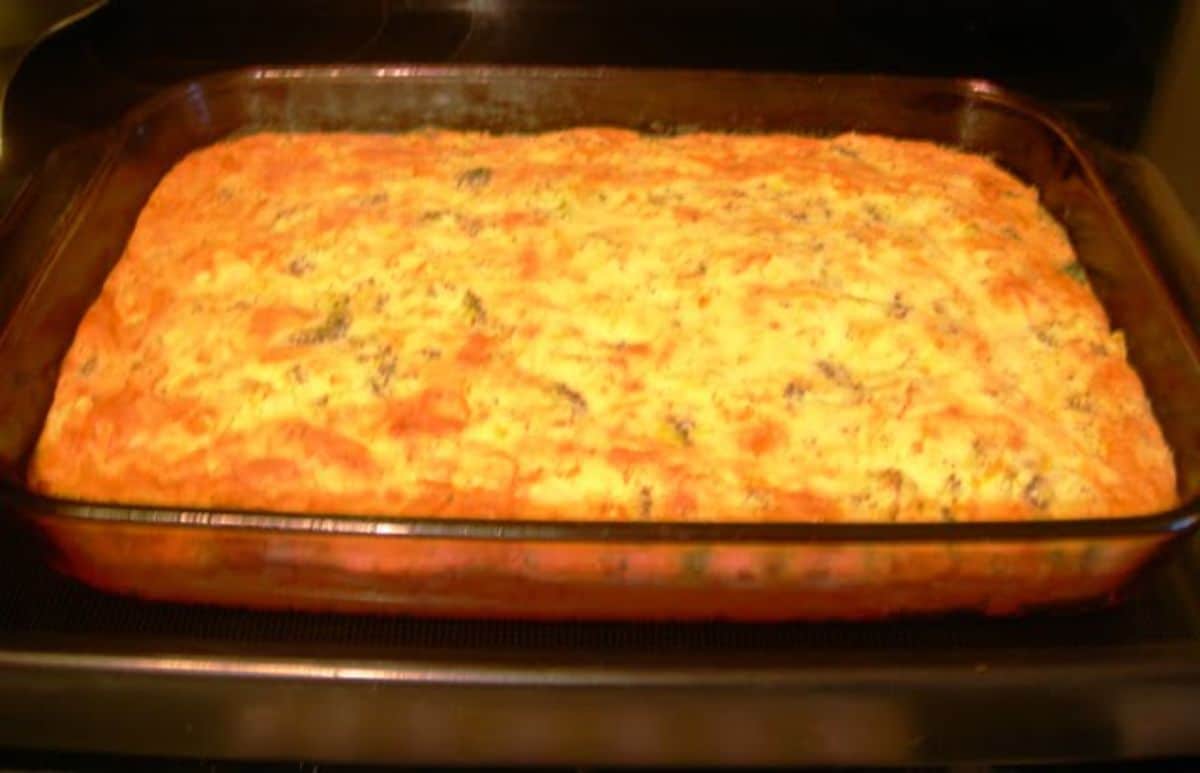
(593, 324)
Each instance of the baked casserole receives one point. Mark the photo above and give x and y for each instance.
(596, 324)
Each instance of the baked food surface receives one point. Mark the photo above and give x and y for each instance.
(594, 324)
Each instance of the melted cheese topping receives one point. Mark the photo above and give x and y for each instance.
(594, 324)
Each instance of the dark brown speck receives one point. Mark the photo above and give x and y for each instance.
(683, 428)
(579, 404)
(385, 368)
(335, 326)
(475, 309)
(1036, 493)
(645, 501)
(477, 177)
(300, 265)
(793, 391)
(837, 373)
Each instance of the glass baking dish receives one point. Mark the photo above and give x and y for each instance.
(70, 226)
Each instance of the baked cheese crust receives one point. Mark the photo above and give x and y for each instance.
(599, 325)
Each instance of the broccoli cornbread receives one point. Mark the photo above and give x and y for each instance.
(595, 324)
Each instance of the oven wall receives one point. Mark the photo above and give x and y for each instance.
(1173, 128)
(1125, 71)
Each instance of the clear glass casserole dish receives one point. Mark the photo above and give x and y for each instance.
(70, 227)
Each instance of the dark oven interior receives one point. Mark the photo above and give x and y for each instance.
(87, 672)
